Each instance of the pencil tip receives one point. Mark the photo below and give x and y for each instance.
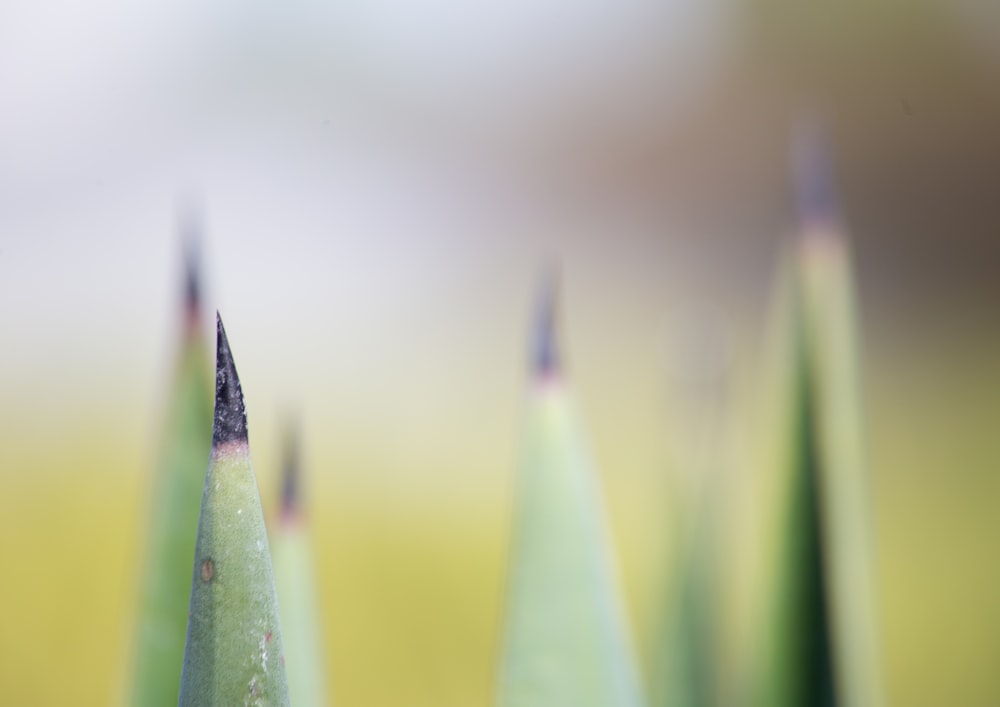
(192, 282)
(189, 226)
(545, 359)
(816, 196)
(291, 490)
(230, 413)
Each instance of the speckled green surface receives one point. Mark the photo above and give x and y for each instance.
(234, 653)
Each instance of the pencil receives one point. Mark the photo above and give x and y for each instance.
(295, 579)
(234, 651)
(162, 608)
(565, 638)
(823, 619)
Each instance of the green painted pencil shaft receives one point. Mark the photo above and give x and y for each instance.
(687, 649)
(824, 627)
(565, 637)
(234, 653)
(165, 587)
(800, 670)
(300, 618)
(832, 347)
(295, 580)
(686, 653)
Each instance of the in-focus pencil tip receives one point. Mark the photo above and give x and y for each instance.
(545, 359)
(816, 197)
(230, 413)
(291, 484)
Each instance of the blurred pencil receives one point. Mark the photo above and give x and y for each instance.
(688, 652)
(799, 659)
(824, 621)
(233, 653)
(161, 619)
(832, 341)
(295, 580)
(565, 636)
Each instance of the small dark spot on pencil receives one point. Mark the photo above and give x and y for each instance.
(267, 638)
(207, 569)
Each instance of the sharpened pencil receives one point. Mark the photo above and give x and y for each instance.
(565, 637)
(234, 653)
(823, 621)
(295, 579)
(161, 619)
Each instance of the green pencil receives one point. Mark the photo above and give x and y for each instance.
(688, 666)
(234, 653)
(165, 587)
(565, 638)
(295, 580)
(798, 661)
(823, 619)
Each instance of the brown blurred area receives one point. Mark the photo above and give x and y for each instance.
(914, 105)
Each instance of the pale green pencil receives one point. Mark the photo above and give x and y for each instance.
(295, 580)
(234, 653)
(161, 618)
(565, 640)
(824, 622)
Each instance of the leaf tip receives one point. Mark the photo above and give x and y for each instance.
(230, 424)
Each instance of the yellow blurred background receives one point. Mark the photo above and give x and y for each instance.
(379, 183)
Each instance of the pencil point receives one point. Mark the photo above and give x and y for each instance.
(192, 282)
(545, 360)
(816, 196)
(230, 413)
(189, 225)
(291, 491)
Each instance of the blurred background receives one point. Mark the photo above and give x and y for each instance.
(378, 183)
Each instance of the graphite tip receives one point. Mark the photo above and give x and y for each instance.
(291, 484)
(189, 225)
(192, 280)
(545, 360)
(816, 196)
(230, 413)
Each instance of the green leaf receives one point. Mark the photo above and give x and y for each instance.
(565, 637)
(234, 653)
(822, 622)
(164, 592)
(295, 580)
